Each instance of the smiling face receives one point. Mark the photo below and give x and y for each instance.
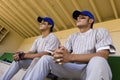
(44, 26)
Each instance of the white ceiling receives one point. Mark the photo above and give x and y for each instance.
(21, 15)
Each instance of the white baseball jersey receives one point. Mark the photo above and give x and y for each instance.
(89, 42)
(41, 44)
(79, 43)
(45, 44)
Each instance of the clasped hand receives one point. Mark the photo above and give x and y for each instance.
(61, 55)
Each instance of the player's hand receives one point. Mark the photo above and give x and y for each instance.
(61, 55)
(16, 56)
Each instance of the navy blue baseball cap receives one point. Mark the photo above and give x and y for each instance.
(47, 19)
(76, 13)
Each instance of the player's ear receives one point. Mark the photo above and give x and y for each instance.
(91, 20)
(49, 25)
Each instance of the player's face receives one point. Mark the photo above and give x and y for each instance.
(82, 21)
(43, 25)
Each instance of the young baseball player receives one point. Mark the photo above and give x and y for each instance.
(42, 45)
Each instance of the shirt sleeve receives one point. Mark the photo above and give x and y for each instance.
(104, 41)
(52, 44)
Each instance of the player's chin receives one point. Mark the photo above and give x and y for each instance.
(41, 29)
(79, 26)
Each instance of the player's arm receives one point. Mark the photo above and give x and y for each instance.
(31, 55)
(52, 44)
(64, 56)
(84, 58)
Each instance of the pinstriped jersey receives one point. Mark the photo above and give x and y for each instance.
(89, 42)
(45, 44)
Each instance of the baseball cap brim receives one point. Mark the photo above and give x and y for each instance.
(39, 19)
(75, 14)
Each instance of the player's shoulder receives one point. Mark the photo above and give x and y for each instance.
(73, 35)
(39, 37)
(100, 29)
(52, 35)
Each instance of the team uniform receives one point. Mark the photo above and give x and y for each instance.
(91, 41)
(41, 44)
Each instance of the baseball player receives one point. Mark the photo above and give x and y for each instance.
(42, 46)
(84, 56)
